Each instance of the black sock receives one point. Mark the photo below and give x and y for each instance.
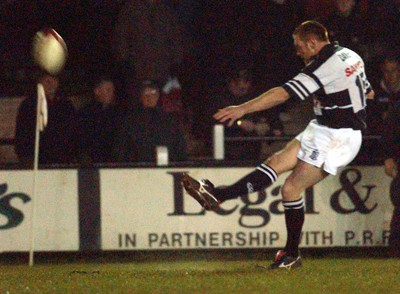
(262, 177)
(294, 216)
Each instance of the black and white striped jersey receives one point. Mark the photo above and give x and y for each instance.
(337, 82)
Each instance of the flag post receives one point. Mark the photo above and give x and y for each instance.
(41, 121)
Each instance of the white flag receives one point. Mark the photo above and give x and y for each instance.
(43, 113)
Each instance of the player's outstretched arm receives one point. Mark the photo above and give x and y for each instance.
(265, 101)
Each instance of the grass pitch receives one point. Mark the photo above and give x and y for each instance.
(201, 275)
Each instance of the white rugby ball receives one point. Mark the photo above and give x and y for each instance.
(49, 51)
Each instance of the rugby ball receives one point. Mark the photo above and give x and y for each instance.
(49, 51)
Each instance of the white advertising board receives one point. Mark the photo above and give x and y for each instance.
(56, 217)
(148, 209)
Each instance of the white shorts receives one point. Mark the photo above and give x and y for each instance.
(328, 148)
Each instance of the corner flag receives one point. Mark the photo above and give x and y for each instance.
(43, 113)
(41, 123)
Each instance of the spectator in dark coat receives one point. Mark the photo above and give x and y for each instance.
(387, 94)
(148, 42)
(98, 123)
(58, 139)
(238, 89)
(391, 141)
(347, 24)
(148, 127)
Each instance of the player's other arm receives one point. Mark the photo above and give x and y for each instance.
(265, 101)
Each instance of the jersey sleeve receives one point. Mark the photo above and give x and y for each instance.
(302, 86)
(368, 87)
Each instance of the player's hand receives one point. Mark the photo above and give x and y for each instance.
(229, 114)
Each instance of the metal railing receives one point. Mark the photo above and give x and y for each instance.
(219, 140)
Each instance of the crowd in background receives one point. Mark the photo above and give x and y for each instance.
(194, 57)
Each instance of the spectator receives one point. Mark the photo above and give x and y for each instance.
(275, 61)
(148, 42)
(238, 89)
(171, 101)
(346, 24)
(311, 9)
(171, 98)
(383, 29)
(98, 122)
(57, 141)
(277, 57)
(392, 151)
(146, 128)
(387, 94)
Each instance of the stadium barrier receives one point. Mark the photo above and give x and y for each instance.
(219, 140)
(145, 208)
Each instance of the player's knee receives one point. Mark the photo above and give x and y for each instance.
(285, 159)
(289, 191)
(274, 159)
(280, 163)
(286, 190)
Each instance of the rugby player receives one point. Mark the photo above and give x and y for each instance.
(334, 77)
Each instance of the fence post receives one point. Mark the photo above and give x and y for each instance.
(218, 142)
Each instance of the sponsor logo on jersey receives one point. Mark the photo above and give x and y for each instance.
(353, 68)
(344, 55)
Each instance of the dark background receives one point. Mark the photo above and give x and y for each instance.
(214, 29)
(86, 27)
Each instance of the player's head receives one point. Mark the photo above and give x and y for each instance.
(309, 38)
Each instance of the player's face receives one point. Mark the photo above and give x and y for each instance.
(304, 49)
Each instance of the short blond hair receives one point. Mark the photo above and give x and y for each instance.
(312, 28)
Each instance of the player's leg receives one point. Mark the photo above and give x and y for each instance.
(323, 151)
(262, 177)
(264, 174)
(304, 175)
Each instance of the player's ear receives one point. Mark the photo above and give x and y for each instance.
(311, 44)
